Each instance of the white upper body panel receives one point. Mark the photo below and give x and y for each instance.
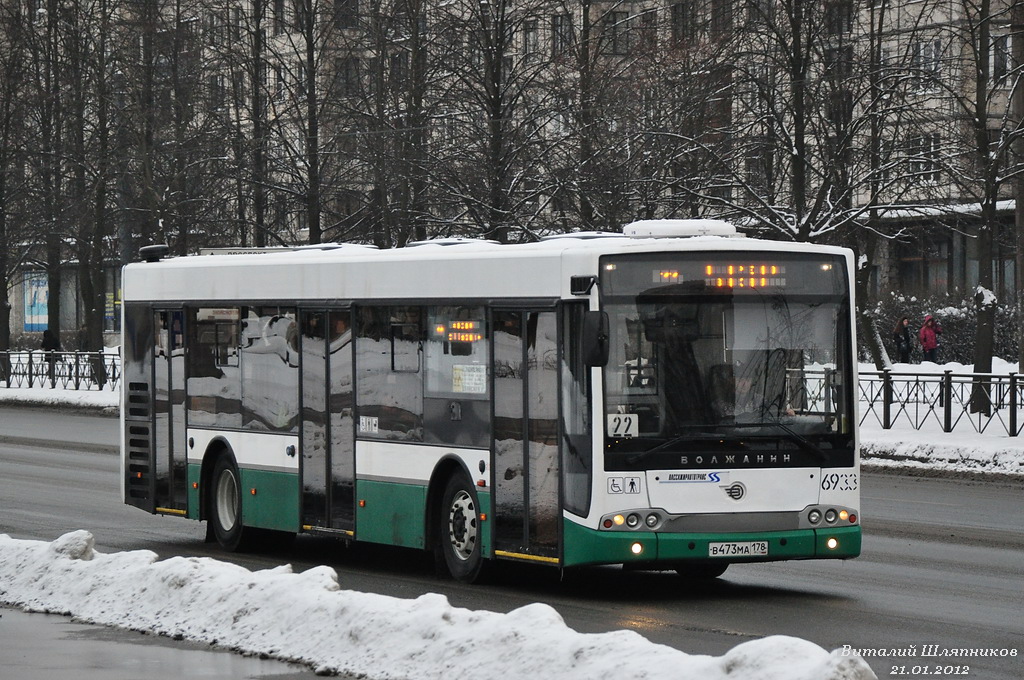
(438, 272)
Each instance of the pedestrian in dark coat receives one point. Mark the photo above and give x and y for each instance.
(901, 336)
(929, 337)
(51, 345)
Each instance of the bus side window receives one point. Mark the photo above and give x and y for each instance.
(389, 383)
(214, 376)
(456, 404)
(576, 416)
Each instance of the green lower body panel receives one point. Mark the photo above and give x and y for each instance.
(275, 503)
(391, 513)
(194, 478)
(589, 546)
(395, 514)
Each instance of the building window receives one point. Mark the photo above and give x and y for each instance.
(346, 76)
(759, 11)
(647, 40)
(216, 92)
(926, 62)
(300, 15)
(561, 34)
(840, 109)
(346, 13)
(684, 22)
(1001, 59)
(216, 27)
(300, 79)
(838, 17)
(531, 38)
(839, 62)
(721, 18)
(757, 165)
(615, 33)
(237, 24)
(280, 81)
(399, 67)
(279, 17)
(924, 156)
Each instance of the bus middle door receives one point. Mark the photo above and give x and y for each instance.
(525, 439)
(327, 440)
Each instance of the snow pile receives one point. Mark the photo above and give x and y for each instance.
(309, 618)
(965, 449)
(71, 399)
(952, 453)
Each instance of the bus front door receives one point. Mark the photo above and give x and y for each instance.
(525, 444)
(327, 438)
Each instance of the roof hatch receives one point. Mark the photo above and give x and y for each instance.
(680, 229)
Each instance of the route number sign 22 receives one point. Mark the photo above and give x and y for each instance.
(623, 425)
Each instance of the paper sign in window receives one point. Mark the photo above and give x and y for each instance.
(469, 379)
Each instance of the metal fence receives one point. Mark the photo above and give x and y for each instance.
(60, 370)
(951, 401)
(946, 401)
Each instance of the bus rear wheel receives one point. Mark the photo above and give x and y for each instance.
(457, 549)
(225, 503)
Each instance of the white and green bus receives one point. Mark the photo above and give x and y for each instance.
(673, 397)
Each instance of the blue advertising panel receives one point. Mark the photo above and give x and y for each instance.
(37, 295)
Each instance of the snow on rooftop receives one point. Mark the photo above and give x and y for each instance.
(311, 618)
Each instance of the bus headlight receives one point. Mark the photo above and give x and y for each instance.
(814, 516)
(636, 548)
(652, 520)
(831, 516)
(632, 520)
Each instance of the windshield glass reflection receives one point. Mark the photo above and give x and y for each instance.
(697, 366)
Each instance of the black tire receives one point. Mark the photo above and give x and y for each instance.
(702, 571)
(457, 549)
(225, 503)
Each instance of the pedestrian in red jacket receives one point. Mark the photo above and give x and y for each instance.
(929, 337)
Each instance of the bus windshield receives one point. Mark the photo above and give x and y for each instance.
(722, 359)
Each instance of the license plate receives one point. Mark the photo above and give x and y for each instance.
(745, 549)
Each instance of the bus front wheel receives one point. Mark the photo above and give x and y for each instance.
(457, 549)
(225, 503)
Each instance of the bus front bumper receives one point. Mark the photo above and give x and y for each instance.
(590, 546)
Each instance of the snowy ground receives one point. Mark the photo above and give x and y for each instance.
(930, 450)
(311, 618)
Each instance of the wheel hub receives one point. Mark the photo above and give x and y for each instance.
(227, 501)
(462, 525)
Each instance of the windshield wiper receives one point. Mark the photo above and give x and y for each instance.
(793, 436)
(692, 436)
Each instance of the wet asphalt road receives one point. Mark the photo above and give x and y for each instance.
(941, 563)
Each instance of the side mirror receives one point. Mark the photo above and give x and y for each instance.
(595, 338)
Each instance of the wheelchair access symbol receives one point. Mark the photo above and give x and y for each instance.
(625, 485)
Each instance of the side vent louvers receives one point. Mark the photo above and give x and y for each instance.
(138, 440)
(138, 400)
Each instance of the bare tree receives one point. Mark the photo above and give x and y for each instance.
(500, 116)
(13, 232)
(982, 133)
